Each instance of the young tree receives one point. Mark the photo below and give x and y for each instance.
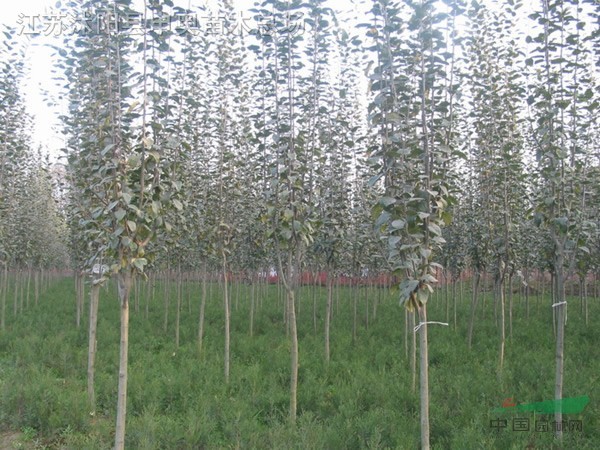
(413, 110)
(121, 171)
(558, 99)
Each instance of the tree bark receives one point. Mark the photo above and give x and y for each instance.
(124, 285)
(560, 329)
(178, 312)
(328, 314)
(252, 295)
(94, 300)
(3, 291)
(424, 377)
(202, 306)
(227, 314)
(476, 279)
(413, 349)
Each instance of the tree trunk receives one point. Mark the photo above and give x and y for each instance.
(328, 313)
(454, 300)
(290, 282)
(167, 298)
(367, 309)
(28, 286)
(36, 286)
(227, 314)
(560, 307)
(354, 312)
(124, 283)
(178, 312)
(406, 328)
(202, 306)
(78, 294)
(294, 356)
(136, 294)
(413, 349)
(446, 295)
(476, 279)
(252, 295)
(94, 300)
(510, 307)
(585, 299)
(424, 378)
(501, 300)
(553, 300)
(314, 298)
(527, 292)
(3, 291)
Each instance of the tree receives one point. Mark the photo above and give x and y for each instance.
(413, 110)
(120, 170)
(558, 96)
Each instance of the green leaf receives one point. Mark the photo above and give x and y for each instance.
(422, 296)
(407, 287)
(387, 201)
(397, 224)
(139, 263)
(435, 229)
(120, 213)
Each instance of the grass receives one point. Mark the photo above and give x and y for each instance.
(362, 399)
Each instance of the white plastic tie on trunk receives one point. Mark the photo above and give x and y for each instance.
(562, 303)
(429, 323)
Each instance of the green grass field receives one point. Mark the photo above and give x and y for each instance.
(362, 399)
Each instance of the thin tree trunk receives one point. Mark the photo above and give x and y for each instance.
(124, 283)
(560, 308)
(454, 300)
(202, 306)
(367, 310)
(294, 357)
(78, 294)
(585, 299)
(424, 377)
(413, 349)
(543, 292)
(354, 312)
(314, 298)
(406, 328)
(227, 315)
(328, 313)
(167, 299)
(375, 304)
(553, 300)
(510, 307)
(501, 294)
(252, 295)
(527, 292)
(28, 286)
(3, 291)
(93, 322)
(36, 286)
(237, 292)
(446, 295)
(178, 312)
(149, 295)
(476, 279)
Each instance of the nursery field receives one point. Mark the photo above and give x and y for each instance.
(363, 398)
